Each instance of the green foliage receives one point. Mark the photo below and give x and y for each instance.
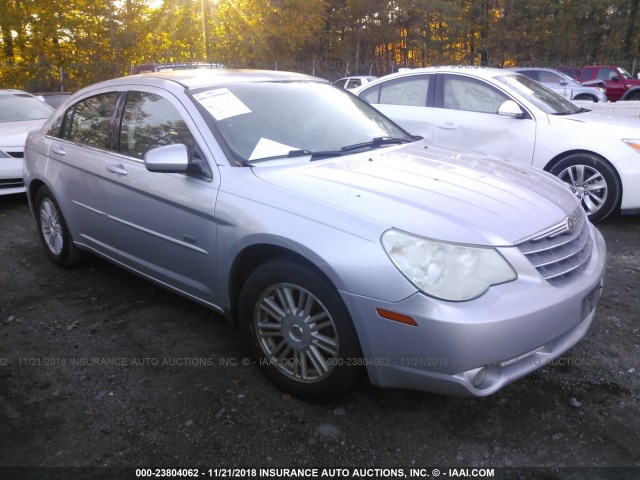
(90, 40)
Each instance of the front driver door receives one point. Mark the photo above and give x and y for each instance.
(163, 223)
(467, 117)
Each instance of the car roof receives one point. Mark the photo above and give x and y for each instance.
(483, 72)
(13, 91)
(197, 78)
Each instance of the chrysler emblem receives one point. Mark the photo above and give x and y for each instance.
(571, 223)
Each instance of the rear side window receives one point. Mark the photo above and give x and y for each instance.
(87, 122)
(409, 91)
(151, 121)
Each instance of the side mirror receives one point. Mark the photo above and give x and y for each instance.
(168, 159)
(615, 78)
(510, 109)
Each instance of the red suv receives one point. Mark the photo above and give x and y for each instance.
(619, 83)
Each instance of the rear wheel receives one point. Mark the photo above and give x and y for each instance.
(300, 331)
(53, 231)
(593, 180)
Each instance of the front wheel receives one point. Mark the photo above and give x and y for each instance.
(593, 180)
(633, 96)
(53, 231)
(300, 331)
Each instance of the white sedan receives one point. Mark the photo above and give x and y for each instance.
(20, 112)
(509, 115)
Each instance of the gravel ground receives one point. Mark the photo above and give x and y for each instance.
(101, 368)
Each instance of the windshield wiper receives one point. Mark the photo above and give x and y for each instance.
(298, 153)
(321, 154)
(380, 141)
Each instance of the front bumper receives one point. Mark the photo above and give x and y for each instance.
(475, 348)
(11, 175)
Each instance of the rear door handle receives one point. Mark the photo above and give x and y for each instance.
(448, 126)
(119, 169)
(59, 151)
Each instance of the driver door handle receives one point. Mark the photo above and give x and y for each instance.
(119, 169)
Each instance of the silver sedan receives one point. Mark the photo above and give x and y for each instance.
(337, 242)
(564, 85)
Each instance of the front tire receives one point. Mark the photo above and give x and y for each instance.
(593, 180)
(53, 231)
(300, 331)
(633, 96)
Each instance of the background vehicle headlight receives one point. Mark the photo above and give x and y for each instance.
(449, 271)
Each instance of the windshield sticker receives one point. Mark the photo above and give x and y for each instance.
(268, 148)
(221, 103)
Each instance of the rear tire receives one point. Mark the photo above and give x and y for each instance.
(53, 231)
(300, 331)
(593, 180)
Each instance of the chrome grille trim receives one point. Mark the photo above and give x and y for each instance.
(560, 253)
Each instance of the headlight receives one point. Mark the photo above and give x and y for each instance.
(4, 154)
(448, 271)
(635, 144)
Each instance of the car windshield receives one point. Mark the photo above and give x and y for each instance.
(269, 120)
(20, 107)
(542, 97)
(625, 74)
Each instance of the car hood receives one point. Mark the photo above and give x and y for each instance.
(14, 134)
(622, 127)
(430, 190)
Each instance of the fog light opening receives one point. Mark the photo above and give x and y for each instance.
(485, 377)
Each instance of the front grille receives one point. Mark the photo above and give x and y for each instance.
(561, 253)
(16, 154)
(11, 183)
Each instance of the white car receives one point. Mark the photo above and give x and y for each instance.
(511, 116)
(20, 113)
(351, 83)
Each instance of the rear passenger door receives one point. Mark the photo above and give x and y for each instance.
(408, 101)
(163, 223)
(79, 141)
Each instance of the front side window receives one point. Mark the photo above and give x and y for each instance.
(471, 95)
(151, 121)
(606, 74)
(87, 122)
(550, 77)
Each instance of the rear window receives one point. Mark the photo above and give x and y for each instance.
(22, 107)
